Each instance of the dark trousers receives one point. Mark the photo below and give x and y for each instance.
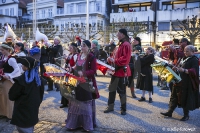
(64, 101)
(121, 90)
(175, 100)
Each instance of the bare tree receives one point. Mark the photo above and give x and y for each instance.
(133, 28)
(69, 34)
(49, 30)
(189, 28)
(27, 33)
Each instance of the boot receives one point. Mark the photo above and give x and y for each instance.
(168, 113)
(133, 93)
(141, 99)
(186, 115)
(184, 118)
(109, 108)
(150, 100)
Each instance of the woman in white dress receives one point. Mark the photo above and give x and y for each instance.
(11, 70)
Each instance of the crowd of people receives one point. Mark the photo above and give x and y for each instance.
(22, 83)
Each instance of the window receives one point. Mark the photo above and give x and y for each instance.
(79, 6)
(193, 3)
(179, 5)
(71, 8)
(43, 13)
(37, 15)
(31, 15)
(60, 10)
(7, 12)
(163, 26)
(11, 11)
(98, 6)
(176, 26)
(66, 25)
(50, 12)
(123, 8)
(62, 27)
(20, 12)
(1, 11)
(166, 6)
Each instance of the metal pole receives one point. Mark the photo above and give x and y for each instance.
(87, 20)
(150, 38)
(34, 18)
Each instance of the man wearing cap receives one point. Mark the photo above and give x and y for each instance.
(120, 59)
(54, 52)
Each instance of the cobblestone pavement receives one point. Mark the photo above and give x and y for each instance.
(141, 116)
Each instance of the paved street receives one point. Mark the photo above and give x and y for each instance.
(141, 116)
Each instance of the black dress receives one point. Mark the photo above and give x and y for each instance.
(189, 93)
(146, 79)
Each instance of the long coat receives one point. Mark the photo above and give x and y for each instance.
(27, 99)
(190, 90)
(145, 80)
(55, 52)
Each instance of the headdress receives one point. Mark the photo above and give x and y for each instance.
(33, 67)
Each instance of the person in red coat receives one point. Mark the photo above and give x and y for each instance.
(119, 79)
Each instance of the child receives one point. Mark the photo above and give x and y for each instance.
(27, 95)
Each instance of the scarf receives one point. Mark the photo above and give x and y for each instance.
(32, 74)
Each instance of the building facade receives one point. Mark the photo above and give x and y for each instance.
(159, 15)
(9, 12)
(169, 12)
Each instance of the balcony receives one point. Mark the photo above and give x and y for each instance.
(180, 14)
(132, 16)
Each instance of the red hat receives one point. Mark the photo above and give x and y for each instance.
(78, 38)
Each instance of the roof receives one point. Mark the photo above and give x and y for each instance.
(72, 0)
(23, 3)
(60, 3)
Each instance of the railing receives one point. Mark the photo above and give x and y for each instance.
(180, 14)
(132, 16)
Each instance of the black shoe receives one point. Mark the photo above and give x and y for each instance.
(57, 89)
(150, 100)
(158, 84)
(165, 88)
(166, 114)
(123, 112)
(49, 89)
(108, 110)
(185, 118)
(133, 94)
(141, 99)
(63, 106)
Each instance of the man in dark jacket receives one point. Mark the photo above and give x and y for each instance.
(54, 52)
(110, 48)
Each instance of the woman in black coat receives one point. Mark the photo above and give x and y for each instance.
(27, 95)
(145, 82)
